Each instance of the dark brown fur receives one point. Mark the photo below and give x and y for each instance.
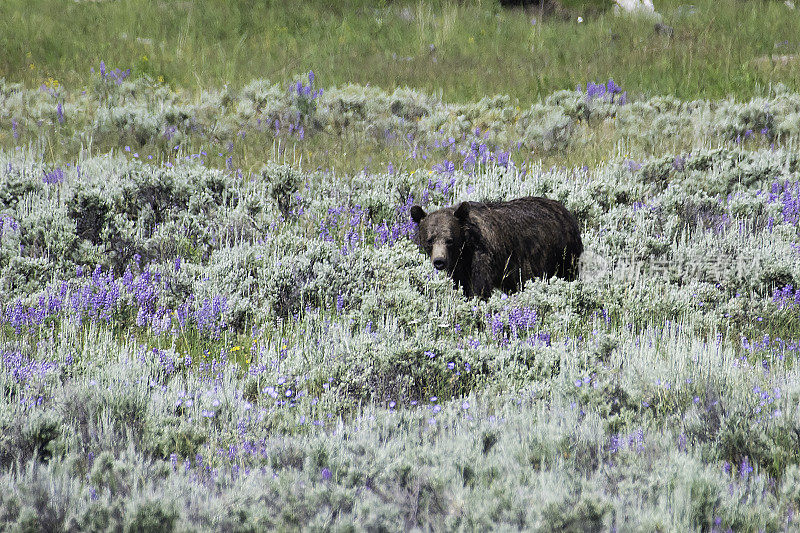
(501, 244)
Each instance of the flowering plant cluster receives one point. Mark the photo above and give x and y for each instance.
(187, 342)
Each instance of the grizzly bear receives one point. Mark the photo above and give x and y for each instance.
(500, 244)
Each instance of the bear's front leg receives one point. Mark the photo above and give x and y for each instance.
(480, 277)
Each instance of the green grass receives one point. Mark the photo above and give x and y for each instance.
(465, 50)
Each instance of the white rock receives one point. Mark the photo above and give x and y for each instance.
(636, 7)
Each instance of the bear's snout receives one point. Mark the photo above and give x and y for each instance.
(439, 256)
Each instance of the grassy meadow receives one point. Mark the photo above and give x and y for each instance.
(461, 51)
(213, 315)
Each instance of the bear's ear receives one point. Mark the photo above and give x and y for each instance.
(417, 213)
(462, 211)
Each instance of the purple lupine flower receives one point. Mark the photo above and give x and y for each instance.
(54, 176)
(445, 167)
(118, 75)
(497, 325)
(127, 279)
(632, 165)
(208, 316)
(7, 223)
(60, 112)
(606, 91)
(615, 443)
(594, 90)
(97, 275)
(788, 194)
(745, 468)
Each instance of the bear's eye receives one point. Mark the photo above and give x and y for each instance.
(448, 242)
(430, 241)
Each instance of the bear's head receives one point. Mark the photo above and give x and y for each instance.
(441, 234)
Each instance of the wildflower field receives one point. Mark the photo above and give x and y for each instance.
(213, 315)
